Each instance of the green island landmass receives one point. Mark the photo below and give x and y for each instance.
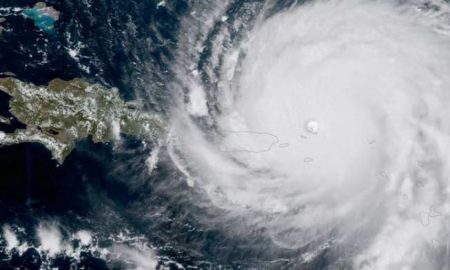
(63, 112)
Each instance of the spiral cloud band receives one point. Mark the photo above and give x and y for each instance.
(334, 123)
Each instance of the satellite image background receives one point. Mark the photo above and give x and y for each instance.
(238, 134)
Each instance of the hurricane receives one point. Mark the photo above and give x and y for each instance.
(225, 134)
(322, 125)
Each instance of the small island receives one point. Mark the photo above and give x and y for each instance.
(2, 20)
(65, 111)
(44, 17)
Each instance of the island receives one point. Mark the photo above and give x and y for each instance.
(2, 20)
(44, 17)
(63, 112)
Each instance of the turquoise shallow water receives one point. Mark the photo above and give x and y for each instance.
(42, 21)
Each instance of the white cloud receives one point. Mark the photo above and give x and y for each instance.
(142, 258)
(50, 238)
(10, 237)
